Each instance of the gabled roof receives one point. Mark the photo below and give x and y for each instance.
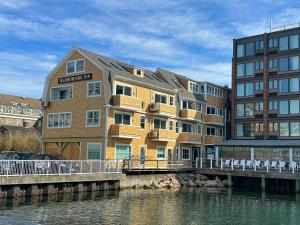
(171, 78)
(30, 102)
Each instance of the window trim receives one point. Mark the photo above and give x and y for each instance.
(86, 117)
(63, 86)
(116, 144)
(143, 115)
(123, 84)
(167, 98)
(128, 113)
(59, 127)
(87, 89)
(183, 159)
(160, 158)
(87, 149)
(75, 65)
(159, 118)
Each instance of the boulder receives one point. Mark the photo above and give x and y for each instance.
(218, 180)
(203, 177)
(191, 184)
(225, 182)
(210, 183)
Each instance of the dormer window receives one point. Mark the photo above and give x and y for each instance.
(138, 72)
(75, 66)
(193, 87)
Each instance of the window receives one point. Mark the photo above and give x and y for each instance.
(93, 118)
(94, 88)
(160, 124)
(249, 109)
(245, 89)
(259, 127)
(75, 66)
(210, 110)
(138, 72)
(273, 127)
(245, 129)
(221, 132)
(294, 41)
(259, 65)
(259, 45)
(59, 120)
(161, 98)
(283, 43)
(199, 129)
(273, 43)
(284, 64)
(294, 63)
(199, 106)
(249, 89)
(240, 110)
(284, 86)
(186, 127)
(294, 129)
(177, 127)
(123, 152)
(210, 131)
(160, 154)
(185, 154)
(259, 85)
(249, 69)
(171, 100)
(272, 84)
(272, 105)
(142, 121)
(284, 107)
(240, 90)
(249, 49)
(61, 93)
(122, 118)
(240, 51)
(193, 87)
(284, 129)
(259, 106)
(94, 151)
(171, 125)
(187, 105)
(123, 90)
(294, 84)
(273, 63)
(294, 106)
(289, 64)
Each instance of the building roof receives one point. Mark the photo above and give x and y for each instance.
(261, 143)
(9, 99)
(17, 129)
(171, 78)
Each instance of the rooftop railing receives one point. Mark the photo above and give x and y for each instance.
(285, 27)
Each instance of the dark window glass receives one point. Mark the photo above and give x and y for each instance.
(249, 49)
(283, 43)
(283, 64)
(284, 107)
(127, 91)
(119, 90)
(284, 86)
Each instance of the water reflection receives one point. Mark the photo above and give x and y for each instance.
(186, 206)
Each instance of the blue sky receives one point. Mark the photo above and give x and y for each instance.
(193, 38)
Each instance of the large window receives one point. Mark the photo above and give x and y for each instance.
(294, 106)
(244, 89)
(161, 98)
(289, 85)
(289, 63)
(259, 106)
(160, 124)
(123, 152)
(249, 49)
(93, 118)
(249, 89)
(290, 42)
(94, 151)
(284, 86)
(273, 43)
(122, 118)
(246, 69)
(123, 90)
(186, 127)
(294, 129)
(294, 84)
(185, 154)
(287, 129)
(273, 63)
(193, 87)
(61, 93)
(259, 65)
(94, 88)
(259, 85)
(211, 131)
(284, 129)
(240, 110)
(240, 51)
(75, 66)
(249, 69)
(289, 106)
(284, 107)
(294, 41)
(59, 120)
(160, 153)
(272, 84)
(272, 105)
(249, 109)
(283, 43)
(259, 44)
(245, 129)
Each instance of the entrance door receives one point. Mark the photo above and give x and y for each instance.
(169, 154)
(142, 155)
(195, 153)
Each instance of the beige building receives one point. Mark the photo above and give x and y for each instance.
(19, 111)
(96, 107)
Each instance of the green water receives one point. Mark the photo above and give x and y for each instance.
(187, 206)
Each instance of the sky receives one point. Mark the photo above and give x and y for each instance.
(189, 37)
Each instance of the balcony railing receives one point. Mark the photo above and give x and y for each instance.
(213, 139)
(162, 108)
(123, 131)
(214, 119)
(191, 114)
(190, 138)
(162, 135)
(127, 102)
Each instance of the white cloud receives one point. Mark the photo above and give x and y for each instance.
(14, 4)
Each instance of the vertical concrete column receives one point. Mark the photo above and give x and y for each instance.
(79, 187)
(217, 155)
(229, 178)
(103, 186)
(92, 187)
(291, 154)
(263, 183)
(252, 153)
(297, 186)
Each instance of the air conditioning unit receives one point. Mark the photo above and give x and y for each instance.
(154, 106)
(153, 134)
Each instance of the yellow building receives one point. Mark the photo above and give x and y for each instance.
(99, 108)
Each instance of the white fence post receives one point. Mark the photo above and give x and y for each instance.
(210, 163)
(221, 164)
(201, 162)
(231, 164)
(254, 165)
(243, 165)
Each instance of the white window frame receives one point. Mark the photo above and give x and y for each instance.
(75, 66)
(58, 114)
(191, 128)
(143, 115)
(122, 84)
(157, 152)
(86, 117)
(87, 149)
(71, 85)
(184, 148)
(124, 145)
(87, 89)
(167, 125)
(166, 95)
(123, 113)
(211, 128)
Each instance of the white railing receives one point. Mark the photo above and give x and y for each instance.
(57, 167)
(248, 165)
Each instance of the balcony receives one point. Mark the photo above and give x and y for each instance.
(127, 102)
(214, 119)
(191, 114)
(162, 108)
(211, 140)
(190, 138)
(123, 131)
(162, 135)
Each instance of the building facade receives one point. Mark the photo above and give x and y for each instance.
(99, 108)
(19, 111)
(265, 95)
